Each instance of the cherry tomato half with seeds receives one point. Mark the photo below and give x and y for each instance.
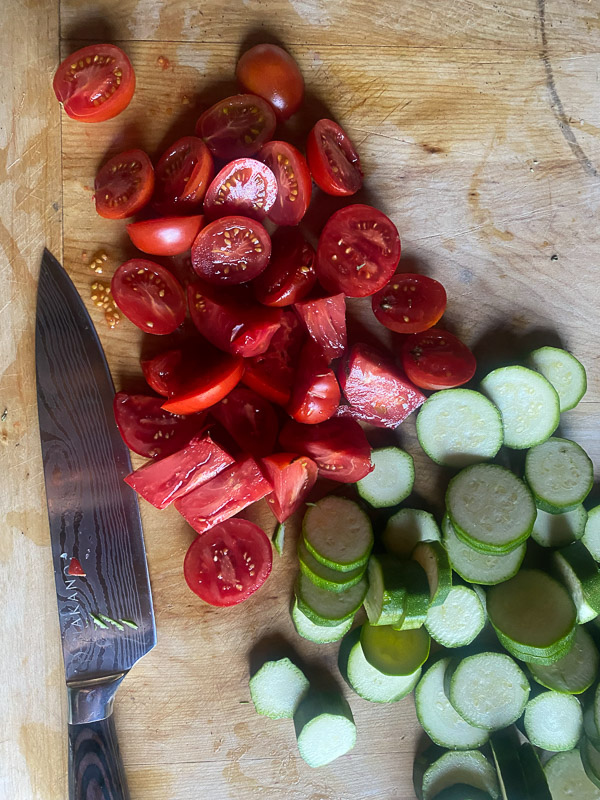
(149, 296)
(293, 181)
(218, 375)
(231, 250)
(95, 83)
(228, 563)
(410, 303)
(167, 236)
(124, 185)
(249, 419)
(245, 186)
(237, 126)
(292, 477)
(290, 274)
(316, 393)
(163, 372)
(358, 251)
(325, 321)
(436, 359)
(183, 174)
(270, 72)
(332, 159)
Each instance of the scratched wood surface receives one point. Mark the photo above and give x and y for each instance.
(478, 125)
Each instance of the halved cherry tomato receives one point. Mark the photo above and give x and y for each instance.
(410, 303)
(163, 372)
(316, 392)
(271, 73)
(217, 377)
(167, 236)
(249, 419)
(338, 446)
(436, 359)
(237, 126)
(224, 496)
(149, 296)
(227, 565)
(124, 185)
(231, 250)
(163, 481)
(183, 174)
(272, 374)
(231, 320)
(325, 321)
(292, 477)
(377, 392)
(333, 161)
(293, 181)
(95, 83)
(148, 429)
(245, 186)
(358, 251)
(290, 274)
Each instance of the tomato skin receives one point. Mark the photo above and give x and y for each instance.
(230, 492)
(163, 372)
(249, 419)
(124, 185)
(207, 387)
(97, 89)
(237, 127)
(375, 389)
(436, 359)
(316, 392)
(167, 236)
(290, 274)
(292, 477)
(136, 288)
(374, 245)
(332, 159)
(294, 185)
(270, 72)
(338, 446)
(245, 187)
(325, 321)
(243, 246)
(183, 174)
(409, 303)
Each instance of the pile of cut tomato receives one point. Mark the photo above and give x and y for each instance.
(268, 394)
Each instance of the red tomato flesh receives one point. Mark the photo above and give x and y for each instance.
(333, 161)
(294, 186)
(290, 274)
(163, 372)
(249, 419)
(149, 430)
(237, 126)
(95, 83)
(377, 392)
(124, 185)
(218, 376)
(292, 477)
(410, 303)
(436, 359)
(325, 321)
(231, 250)
(163, 481)
(358, 251)
(149, 296)
(75, 569)
(167, 236)
(245, 186)
(316, 392)
(338, 446)
(270, 72)
(228, 564)
(183, 174)
(227, 494)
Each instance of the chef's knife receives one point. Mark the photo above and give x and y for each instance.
(106, 615)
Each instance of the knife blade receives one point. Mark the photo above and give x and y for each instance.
(106, 615)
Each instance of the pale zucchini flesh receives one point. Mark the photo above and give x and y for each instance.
(332, 579)
(563, 371)
(406, 528)
(385, 601)
(325, 728)
(579, 572)
(278, 688)
(591, 535)
(391, 479)
(567, 778)
(432, 556)
(319, 634)
(475, 566)
(394, 652)
(466, 766)
(558, 530)
(458, 620)
(576, 671)
(553, 721)
(338, 533)
(560, 474)
(373, 685)
(329, 608)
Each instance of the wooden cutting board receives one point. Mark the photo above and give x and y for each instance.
(478, 126)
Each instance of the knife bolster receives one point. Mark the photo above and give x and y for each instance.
(92, 700)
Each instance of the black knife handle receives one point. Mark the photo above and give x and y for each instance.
(95, 767)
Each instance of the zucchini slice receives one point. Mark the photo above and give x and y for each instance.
(564, 372)
(319, 634)
(325, 728)
(567, 778)
(591, 535)
(394, 652)
(432, 556)
(580, 574)
(406, 528)
(277, 689)
(459, 620)
(329, 608)
(338, 533)
(456, 766)
(332, 579)
(553, 721)
(560, 474)
(576, 671)
(391, 480)
(559, 530)
(373, 685)
(385, 601)
(477, 567)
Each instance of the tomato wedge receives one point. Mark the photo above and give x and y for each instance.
(232, 321)
(316, 392)
(228, 564)
(333, 161)
(231, 250)
(183, 174)
(249, 419)
(377, 392)
(167, 236)
(436, 359)
(294, 186)
(270, 72)
(290, 274)
(292, 477)
(163, 372)
(124, 185)
(237, 126)
(149, 296)
(338, 446)
(95, 83)
(272, 374)
(148, 429)
(230, 492)
(217, 377)
(325, 321)
(163, 481)
(245, 186)
(410, 303)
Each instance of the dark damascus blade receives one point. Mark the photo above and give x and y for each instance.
(106, 617)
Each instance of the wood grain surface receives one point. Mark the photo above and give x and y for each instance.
(478, 126)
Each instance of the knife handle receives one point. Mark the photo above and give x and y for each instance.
(95, 767)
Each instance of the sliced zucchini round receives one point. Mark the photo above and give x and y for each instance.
(332, 579)
(466, 766)
(338, 533)
(406, 528)
(391, 480)
(459, 620)
(567, 778)
(580, 574)
(590, 758)
(576, 671)
(319, 634)
(553, 721)
(278, 688)
(329, 608)
(477, 567)
(558, 530)
(416, 604)
(394, 652)
(564, 372)
(560, 475)
(385, 601)
(373, 685)
(432, 556)
(591, 535)
(325, 728)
